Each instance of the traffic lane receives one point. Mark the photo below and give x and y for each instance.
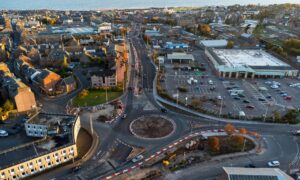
(275, 148)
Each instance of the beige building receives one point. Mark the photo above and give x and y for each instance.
(47, 152)
(105, 78)
(14, 89)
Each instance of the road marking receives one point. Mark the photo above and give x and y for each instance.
(170, 146)
(152, 156)
(175, 143)
(125, 170)
(133, 167)
(147, 159)
(164, 149)
(158, 152)
(117, 174)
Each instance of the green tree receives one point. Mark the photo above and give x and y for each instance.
(276, 116)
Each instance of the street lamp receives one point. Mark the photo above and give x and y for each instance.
(186, 98)
(221, 107)
(177, 97)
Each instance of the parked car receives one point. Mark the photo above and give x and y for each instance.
(124, 116)
(250, 166)
(76, 169)
(250, 107)
(296, 133)
(137, 158)
(261, 99)
(288, 98)
(246, 101)
(163, 110)
(268, 82)
(284, 95)
(237, 98)
(3, 133)
(241, 95)
(274, 164)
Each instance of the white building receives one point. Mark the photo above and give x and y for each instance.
(248, 63)
(104, 27)
(180, 57)
(221, 43)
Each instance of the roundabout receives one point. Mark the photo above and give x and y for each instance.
(152, 127)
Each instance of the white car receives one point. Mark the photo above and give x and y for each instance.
(138, 158)
(3, 133)
(274, 86)
(268, 82)
(274, 164)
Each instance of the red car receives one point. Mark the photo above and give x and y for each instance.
(288, 98)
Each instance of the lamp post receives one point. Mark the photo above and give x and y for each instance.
(221, 107)
(186, 98)
(177, 97)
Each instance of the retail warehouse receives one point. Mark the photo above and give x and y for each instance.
(248, 63)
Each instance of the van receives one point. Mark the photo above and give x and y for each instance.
(242, 114)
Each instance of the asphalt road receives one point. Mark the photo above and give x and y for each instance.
(281, 145)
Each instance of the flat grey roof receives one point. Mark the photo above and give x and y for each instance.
(238, 173)
(248, 57)
(180, 56)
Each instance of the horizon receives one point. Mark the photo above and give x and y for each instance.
(119, 4)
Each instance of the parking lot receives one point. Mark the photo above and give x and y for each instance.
(246, 98)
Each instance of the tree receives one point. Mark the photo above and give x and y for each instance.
(204, 29)
(230, 44)
(276, 116)
(195, 103)
(214, 144)
(229, 129)
(243, 131)
(8, 105)
(83, 93)
(238, 139)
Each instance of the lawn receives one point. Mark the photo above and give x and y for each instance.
(96, 97)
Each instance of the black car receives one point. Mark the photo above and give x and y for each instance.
(76, 169)
(241, 95)
(237, 98)
(246, 101)
(163, 110)
(250, 166)
(261, 99)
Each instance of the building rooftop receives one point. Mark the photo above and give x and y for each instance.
(31, 147)
(237, 173)
(248, 57)
(214, 43)
(180, 56)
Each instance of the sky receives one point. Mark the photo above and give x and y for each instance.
(120, 4)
